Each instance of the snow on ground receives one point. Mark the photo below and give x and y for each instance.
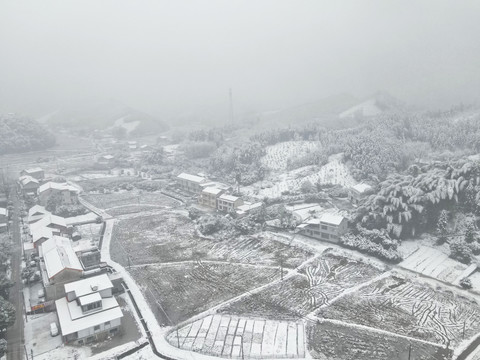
(37, 334)
(81, 219)
(367, 108)
(230, 336)
(129, 126)
(334, 172)
(278, 154)
(434, 263)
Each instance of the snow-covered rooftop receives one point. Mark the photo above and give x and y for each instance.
(72, 319)
(47, 220)
(41, 233)
(333, 219)
(25, 179)
(361, 188)
(108, 157)
(89, 299)
(33, 170)
(61, 257)
(56, 186)
(51, 243)
(249, 206)
(229, 198)
(3, 211)
(86, 286)
(212, 190)
(193, 178)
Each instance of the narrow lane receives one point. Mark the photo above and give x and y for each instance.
(15, 335)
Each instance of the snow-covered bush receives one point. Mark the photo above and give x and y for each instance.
(459, 250)
(466, 283)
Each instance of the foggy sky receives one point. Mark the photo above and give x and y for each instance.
(169, 57)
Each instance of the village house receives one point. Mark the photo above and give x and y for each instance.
(36, 173)
(60, 266)
(67, 194)
(58, 224)
(42, 234)
(36, 213)
(190, 183)
(247, 207)
(359, 192)
(327, 227)
(228, 203)
(208, 197)
(89, 311)
(218, 185)
(106, 160)
(28, 184)
(3, 219)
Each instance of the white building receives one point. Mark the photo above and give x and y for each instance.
(359, 192)
(89, 311)
(67, 194)
(327, 227)
(190, 182)
(228, 203)
(60, 266)
(36, 213)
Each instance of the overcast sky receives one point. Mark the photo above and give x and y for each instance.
(168, 57)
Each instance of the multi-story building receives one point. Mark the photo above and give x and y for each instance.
(228, 203)
(67, 194)
(208, 196)
(88, 312)
(190, 183)
(327, 227)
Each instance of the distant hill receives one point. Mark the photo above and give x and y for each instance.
(377, 104)
(324, 111)
(20, 134)
(103, 114)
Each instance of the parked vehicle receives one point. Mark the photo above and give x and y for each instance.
(53, 329)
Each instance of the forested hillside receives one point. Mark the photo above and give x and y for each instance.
(19, 134)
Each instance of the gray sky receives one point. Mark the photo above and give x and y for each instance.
(169, 57)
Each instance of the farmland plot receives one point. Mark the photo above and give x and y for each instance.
(341, 342)
(434, 263)
(238, 337)
(184, 290)
(167, 236)
(124, 198)
(409, 308)
(317, 284)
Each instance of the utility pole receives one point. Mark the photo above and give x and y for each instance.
(409, 351)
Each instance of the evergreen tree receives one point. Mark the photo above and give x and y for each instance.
(470, 232)
(442, 226)
(7, 314)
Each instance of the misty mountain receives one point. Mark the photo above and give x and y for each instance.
(90, 115)
(377, 104)
(20, 134)
(325, 110)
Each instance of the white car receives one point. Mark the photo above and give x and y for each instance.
(53, 329)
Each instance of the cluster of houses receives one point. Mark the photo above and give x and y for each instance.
(73, 280)
(214, 195)
(32, 182)
(313, 220)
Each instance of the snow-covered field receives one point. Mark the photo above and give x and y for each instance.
(278, 154)
(229, 336)
(335, 172)
(434, 263)
(128, 126)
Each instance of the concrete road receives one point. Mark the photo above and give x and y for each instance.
(15, 335)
